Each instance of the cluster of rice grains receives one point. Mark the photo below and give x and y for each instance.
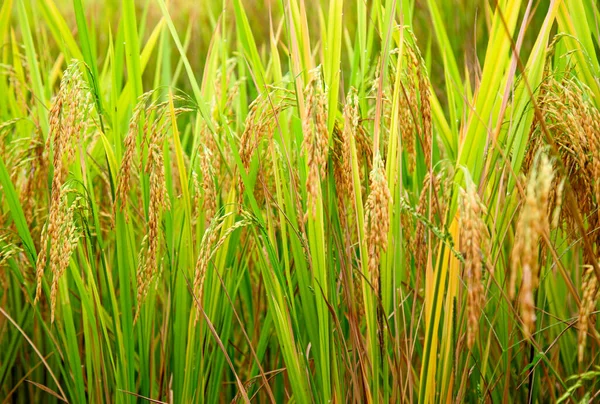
(589, 288)
(213, 238)
(342, 171)
(70, 121)
(316, 137)
(156, 119)
(377, 218)
(574, 123)
(474, 239)
(533, 223)
(415, 126)
(259, 128)
(414, 109)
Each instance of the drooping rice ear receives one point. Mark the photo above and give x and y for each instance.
(377, 218)
(474, 238)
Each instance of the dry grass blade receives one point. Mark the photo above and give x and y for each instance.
(47, 390)
(143, 397)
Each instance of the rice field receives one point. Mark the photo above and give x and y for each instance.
(306, 201)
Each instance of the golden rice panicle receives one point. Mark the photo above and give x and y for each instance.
(574, 123)
(406, 110)
(159, 202)
(364, 151)
(595, 143)
(248, 141)
(316, 138)
(351, 121)
(342, 179)
(127, 164)
(208, 247)
(544, 186)
(209, 139)
(473, 239)
(260, 125)
(589, 288)
(295, 180)
(558, 201)
(532, 224)
(527, 302)
(377, 218)
(55, 130)
(70, 117)
(321, 128)
(312, 155)
(196, 193)
(425, 102)
(40, 264)
(208, 240)
(209, 192)
(62, 248)
(342, 169)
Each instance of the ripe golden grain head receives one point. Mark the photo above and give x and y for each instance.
(127, 163)
(153, 140)
(342, 146)
(377, 216)
(249, 138)
(574, 123)
(62, 248)
(575, 126)
(474, 239)
(532, 224)
(406, 110)
(159, 202)
(209, 192)
(208, 240)
(260, 125)
(424, 87)
(214, 237)
(70, 119)
(589, 299)
(342, 169)
(316, 137)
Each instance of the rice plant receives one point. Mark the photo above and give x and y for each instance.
(299, 201)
